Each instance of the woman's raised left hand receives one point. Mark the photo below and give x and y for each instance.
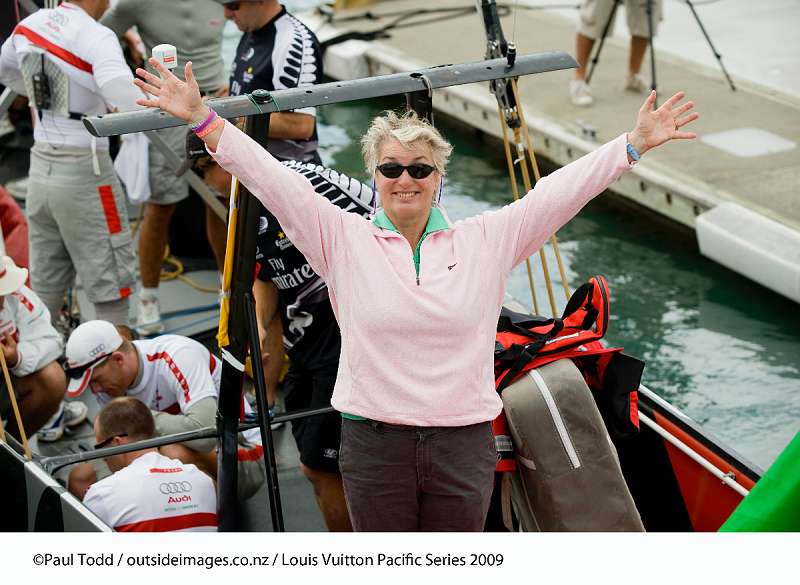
(654, 127)
(179, 98)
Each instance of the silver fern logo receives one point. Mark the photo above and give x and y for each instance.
(300, 66)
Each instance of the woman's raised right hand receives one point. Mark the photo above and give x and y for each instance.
(179, 98)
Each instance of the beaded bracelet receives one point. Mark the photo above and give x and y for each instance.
(210, 128)
(204, 124)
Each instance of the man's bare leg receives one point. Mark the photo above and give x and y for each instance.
(153, 235)
(583, 48)
(330, 498)
(638, 49)
(38, 397)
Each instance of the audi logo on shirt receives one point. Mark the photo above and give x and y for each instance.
(175, 487)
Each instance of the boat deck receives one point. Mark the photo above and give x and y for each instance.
(746, 154)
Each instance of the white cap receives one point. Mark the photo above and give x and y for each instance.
(90, 344)
(11, 277)
(167, 55)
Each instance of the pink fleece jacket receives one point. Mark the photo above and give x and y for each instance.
(417, 354)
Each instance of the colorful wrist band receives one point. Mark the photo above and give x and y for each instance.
(210, 128)
(204, 124)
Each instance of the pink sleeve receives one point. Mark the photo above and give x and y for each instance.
(519, 229)
(311, 222)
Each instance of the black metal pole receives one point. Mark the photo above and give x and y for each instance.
(56, 462)
(420, 102)
(275, 508)
(235, 353)
(649, 10)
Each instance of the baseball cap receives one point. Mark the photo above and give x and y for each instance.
(194, 149)
(88, 346)
(11, 276)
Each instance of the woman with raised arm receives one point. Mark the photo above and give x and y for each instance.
(416, 297)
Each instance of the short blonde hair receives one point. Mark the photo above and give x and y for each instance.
(407, 129)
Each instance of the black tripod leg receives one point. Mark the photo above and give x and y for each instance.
(275, 507)
(710, 44)
(649, 10)
(603, 36)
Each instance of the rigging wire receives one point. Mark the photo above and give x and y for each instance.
(512, 118)
(514, 27)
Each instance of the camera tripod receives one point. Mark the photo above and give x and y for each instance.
(649, 12)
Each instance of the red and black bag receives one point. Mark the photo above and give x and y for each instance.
(525, 342)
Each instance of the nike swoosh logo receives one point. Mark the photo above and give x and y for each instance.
(451, 266)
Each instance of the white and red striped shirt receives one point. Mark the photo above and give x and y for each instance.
(155, 494)
(85, 50)
(176, 372)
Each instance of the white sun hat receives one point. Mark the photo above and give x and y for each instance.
(11, 276)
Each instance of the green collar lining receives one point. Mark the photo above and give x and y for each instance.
(436, 222)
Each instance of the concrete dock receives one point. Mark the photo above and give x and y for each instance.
(746, 156)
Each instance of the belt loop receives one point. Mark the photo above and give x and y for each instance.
(95, 162)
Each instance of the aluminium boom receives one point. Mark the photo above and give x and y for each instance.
(339, 91)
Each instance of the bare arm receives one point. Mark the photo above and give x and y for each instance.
(291, 126)
(271, 333)
(202, 413)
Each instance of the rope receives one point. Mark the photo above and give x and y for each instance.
(178, 273)
(515, 192)
(256, 104)
(537, 175)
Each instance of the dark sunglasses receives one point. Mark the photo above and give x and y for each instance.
(107, 442)
(77, 372)
(416, 171)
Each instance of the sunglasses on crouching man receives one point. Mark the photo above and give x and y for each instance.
(107, 442)
(393, 170)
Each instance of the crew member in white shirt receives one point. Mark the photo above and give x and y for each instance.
(176, 377)
(31, 347)
(147, 491)
(70, 66)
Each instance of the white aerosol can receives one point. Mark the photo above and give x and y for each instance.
(167, 55)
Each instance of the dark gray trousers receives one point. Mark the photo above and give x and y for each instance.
(417, 479)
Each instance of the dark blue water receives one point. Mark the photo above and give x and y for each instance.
(724, 350)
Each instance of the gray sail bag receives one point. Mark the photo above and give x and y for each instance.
(568, 474)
